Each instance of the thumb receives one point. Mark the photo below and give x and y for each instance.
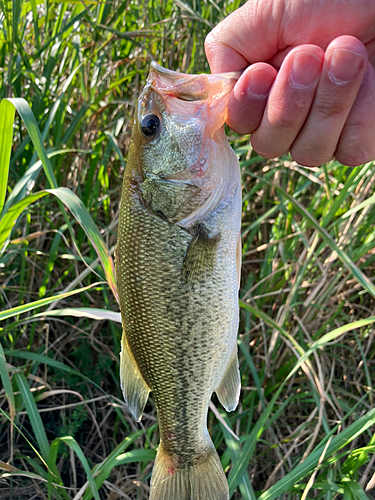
(248, 35)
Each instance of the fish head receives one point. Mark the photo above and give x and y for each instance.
(179, 141)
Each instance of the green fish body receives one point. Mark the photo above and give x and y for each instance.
(177, 263)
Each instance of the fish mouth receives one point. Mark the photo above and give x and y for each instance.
(190, 87)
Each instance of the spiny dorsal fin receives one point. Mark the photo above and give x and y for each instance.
(200, 258)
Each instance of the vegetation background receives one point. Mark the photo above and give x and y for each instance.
(306, 420)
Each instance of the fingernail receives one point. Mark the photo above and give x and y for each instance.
(305, 70)
(343, 65)
(259, 83)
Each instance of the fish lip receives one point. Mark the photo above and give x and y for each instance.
(185, 87)
(235, 75)
(168, 72)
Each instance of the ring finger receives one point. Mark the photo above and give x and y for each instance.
(289, 101)
(343, 71)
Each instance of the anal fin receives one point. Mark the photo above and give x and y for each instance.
(228, 391)
(134, 386)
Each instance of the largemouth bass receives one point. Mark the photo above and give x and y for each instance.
(178, 260)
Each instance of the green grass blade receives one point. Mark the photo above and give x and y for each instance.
(82, 216)
(303, 469)
(7, 384)
(356, 490)
(343, 256)
(30, 176)
(192, 12)
(240, 465)
(10, 217)
(369, 201)
(83, 312)
(329, 337)
(7, 112)
(72, 443)
(234, 449)
(114, 142)
(45, 360)
(105, 468)
(25, 438)
(32, 127)
(38, 429)
(32, 411)
(14, 311)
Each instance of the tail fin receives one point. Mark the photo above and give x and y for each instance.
(202, 480)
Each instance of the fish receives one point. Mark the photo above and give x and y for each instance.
(178, 261)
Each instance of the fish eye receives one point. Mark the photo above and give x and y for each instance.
(150, 125)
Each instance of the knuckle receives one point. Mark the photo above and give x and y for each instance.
(309, 158)
(328, 107)
(282, 118)
(352, 160)
(209, 42)
(267, 150)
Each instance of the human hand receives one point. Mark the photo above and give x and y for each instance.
(310, 88)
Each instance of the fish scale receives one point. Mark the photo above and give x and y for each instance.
(178, 289)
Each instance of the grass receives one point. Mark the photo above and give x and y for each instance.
(69, 75)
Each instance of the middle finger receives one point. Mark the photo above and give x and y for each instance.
(289, 101)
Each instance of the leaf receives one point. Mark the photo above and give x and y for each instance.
(343, 256)
(241, 463)
(83, 312)
(7, 112)
(32, 127)
(82, 216)
(85, 220)
(27, 181)
(10, 217)
(103, 470)
(369, 201)
(28, 442)
(355, 489)
(192, 12)
(7, 384)
(41, 359)
(33, 414)
(72, 443)
(14, 311)
(234, 450)
(303, 469)
(66, 196)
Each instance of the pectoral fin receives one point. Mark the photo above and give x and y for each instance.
(200, 258)
(228, 391)
(134, 386)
